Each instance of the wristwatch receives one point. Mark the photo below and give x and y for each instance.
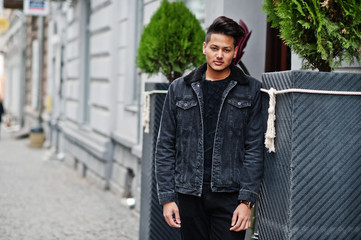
(248, 203)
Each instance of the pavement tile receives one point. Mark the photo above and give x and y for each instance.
(48, 200)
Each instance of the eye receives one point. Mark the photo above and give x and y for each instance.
(213, 48)
(227, 50)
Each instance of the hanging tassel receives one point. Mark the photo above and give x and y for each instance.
(271, 131)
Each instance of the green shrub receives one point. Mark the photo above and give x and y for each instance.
(324, 33)
(171, 42)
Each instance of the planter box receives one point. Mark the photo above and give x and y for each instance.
(312, 184)
(152, 223)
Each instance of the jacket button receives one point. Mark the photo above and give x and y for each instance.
(239, 103)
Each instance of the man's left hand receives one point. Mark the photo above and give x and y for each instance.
(241, 219)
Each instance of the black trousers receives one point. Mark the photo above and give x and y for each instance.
(208, 217)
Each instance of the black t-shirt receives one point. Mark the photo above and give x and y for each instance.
(212, 95)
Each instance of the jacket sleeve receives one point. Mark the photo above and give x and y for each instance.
(252, 170)
(165, 150)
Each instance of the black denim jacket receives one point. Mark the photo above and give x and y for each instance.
(237, 164)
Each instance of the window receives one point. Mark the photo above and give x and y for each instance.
(198, 8)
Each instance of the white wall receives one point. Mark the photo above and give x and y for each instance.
(13, 87)
(126, 98)
(72, 64)
(297, 62)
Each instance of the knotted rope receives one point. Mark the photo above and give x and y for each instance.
(271, 130)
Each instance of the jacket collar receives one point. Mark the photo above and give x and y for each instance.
(236, 74)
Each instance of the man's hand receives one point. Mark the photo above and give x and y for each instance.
(241, 219)
(171, 214)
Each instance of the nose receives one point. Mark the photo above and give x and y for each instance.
(219, 54)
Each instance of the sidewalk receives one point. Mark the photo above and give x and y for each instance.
(46, 200)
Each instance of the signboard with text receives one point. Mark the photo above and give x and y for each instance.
(36, 7)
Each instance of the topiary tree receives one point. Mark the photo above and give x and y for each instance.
(171, 42)
(324, 33)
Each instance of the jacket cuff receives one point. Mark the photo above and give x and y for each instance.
(166, 197)
(247, 196)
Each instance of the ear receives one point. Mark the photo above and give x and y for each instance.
(235, 52)
(204, 48)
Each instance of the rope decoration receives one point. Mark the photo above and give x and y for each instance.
(271, 130)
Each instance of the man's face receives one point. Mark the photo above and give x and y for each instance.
(219, 52)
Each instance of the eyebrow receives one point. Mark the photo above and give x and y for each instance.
(214, 45)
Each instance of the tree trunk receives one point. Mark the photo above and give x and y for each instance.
(323, 66)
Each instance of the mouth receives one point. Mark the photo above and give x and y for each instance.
(218, 63)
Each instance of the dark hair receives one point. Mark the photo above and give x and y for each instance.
(226, 26)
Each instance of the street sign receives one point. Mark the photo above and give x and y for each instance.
(36, 7)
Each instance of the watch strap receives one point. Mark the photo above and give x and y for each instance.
(248, 203)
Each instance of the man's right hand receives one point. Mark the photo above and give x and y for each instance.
(171, 214)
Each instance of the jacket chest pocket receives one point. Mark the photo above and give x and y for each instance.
(186, 112)
(238, 109)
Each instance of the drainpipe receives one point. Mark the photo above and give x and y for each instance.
(40, 87)
(21, 17)
(139, 21)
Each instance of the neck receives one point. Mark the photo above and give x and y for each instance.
(213, 75)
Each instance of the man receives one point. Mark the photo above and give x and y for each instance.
(209, 156)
